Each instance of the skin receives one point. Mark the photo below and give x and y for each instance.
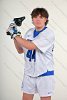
(39, 23)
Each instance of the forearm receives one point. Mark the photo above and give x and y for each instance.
(25, 43)
(18, 47)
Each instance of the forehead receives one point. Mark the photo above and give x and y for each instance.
(39, 15)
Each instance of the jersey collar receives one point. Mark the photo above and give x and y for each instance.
(37, 32)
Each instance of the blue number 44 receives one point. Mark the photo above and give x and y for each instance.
(31, 54)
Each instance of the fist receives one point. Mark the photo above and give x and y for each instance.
(13, 30)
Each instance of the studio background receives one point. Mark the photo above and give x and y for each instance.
(12, 63)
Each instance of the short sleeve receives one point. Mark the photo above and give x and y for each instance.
(45, 40)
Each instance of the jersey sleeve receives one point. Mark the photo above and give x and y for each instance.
(44, 41)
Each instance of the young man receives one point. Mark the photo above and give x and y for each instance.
(37, 46)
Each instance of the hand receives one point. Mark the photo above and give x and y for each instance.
(13, 30)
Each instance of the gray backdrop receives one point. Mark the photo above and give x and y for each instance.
(12, 63)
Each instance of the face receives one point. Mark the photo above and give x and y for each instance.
(39, 21)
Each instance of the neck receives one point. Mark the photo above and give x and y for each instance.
(39, 28)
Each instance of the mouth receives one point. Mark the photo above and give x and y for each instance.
(38, 23)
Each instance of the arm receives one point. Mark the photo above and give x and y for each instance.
(13, 32)
(18, 48)
(25, 43)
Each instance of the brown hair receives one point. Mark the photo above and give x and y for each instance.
(42, 11)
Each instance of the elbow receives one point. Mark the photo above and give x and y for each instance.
(20, 52)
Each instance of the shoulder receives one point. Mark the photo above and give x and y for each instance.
(49, 32)
(29, 32)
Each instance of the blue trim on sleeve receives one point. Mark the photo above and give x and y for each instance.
(48, 73)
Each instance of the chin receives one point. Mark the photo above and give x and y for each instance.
(38, 26)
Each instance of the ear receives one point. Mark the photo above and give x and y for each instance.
(46, 19)
(32, 22)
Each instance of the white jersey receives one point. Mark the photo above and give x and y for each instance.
(39, 61)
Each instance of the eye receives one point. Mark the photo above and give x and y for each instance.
(35, 16)
(41, 17)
